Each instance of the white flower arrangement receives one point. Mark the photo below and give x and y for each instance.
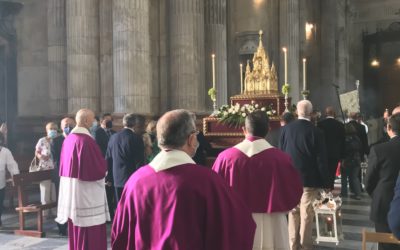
(235, 115)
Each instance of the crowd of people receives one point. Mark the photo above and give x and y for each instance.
(151, 184)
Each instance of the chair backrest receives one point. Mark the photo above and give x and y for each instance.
(27, 178)
(377, 238)
(20, 181)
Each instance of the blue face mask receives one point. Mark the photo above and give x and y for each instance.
(94, 126)
(67, 130)
(52, 133)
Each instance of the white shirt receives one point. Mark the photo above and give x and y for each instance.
(7, 161)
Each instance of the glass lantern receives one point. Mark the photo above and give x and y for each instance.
(328, 219)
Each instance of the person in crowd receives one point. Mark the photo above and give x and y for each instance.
(150, 141)
(103, 132)
(260, 174)
(350, 166)
(393, 215)
(67, 124)
(3, 130)
(82, 199)
(203, 150)
(43, 153)
(361, 133)
(172, 203)
(95, 127)
(125, 152)
(334, 138)
(382, 172)
(274, 135)
(305, 143)
(6, 162)
(360, 119)
(102, 135)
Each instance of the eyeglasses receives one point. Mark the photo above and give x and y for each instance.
(195, 132)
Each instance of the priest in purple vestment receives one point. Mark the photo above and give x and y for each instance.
(82, 198)
(172, 203)
(266, 180)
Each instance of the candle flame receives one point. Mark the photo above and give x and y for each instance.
(213, 55)
(284, 49)
(304, 60)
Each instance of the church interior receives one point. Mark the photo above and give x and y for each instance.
(151, 56)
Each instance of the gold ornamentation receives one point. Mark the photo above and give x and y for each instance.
(263, 78)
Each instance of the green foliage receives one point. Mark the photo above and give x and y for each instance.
(286, 89)
(212, 92)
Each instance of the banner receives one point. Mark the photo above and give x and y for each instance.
(350, 102)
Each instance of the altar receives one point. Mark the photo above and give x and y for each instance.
(259, 92)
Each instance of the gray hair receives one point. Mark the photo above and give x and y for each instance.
(131, 120)
(174, 127)
(304, 108)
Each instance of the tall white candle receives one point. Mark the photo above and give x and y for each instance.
(213, 70)
(241, 78)
(285, 56)
(304, 74)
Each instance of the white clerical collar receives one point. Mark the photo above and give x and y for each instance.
(170, 158)
(251, 148)
(81, 130)
(330, 117)
(304, 118)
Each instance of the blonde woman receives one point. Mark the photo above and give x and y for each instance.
(43, 153)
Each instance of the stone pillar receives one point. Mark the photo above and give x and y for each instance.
(290, 39)
(83, 54)
(57, 59)
(132, 62)
(188, 87)
(106, 57)
(215, 42)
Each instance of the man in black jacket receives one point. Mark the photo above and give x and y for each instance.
(125, 152)
(334, 139)
(383, 170)
(361, 133)
(305, 143)
(67, 124)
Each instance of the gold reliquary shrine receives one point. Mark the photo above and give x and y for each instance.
(262, 78)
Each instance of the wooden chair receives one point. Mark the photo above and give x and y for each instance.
(377, 238)
(20, 181)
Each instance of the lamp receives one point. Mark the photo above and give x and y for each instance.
(375, 63)
(328, 218)
(310, 28)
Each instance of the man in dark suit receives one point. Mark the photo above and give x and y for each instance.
(334, 138)
(274, 135)
(383, 170)
(125, 152)
(305, 143)
(394, 212)
(361, 133)
(102, 136)
(67, 124)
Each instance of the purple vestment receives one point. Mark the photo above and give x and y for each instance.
(183, 207)
(266, 181)
(82, 193)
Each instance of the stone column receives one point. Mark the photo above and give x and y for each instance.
(290, 39)
(106, 57)
(83, 54)
(57, 59)
(187, 81)
(215, 42)
(132, 62)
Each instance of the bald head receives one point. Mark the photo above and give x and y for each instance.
(330, 111)
(304, 109)
(396, 110)
(84, 118)
(174, 128)
(67, 122)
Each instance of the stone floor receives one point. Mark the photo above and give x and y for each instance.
(355, 218)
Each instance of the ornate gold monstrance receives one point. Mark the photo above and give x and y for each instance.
(262, 79)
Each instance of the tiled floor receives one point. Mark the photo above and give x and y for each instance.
(355, 218)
